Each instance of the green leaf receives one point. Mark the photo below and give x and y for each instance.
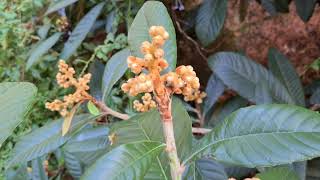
(41, 49)
(249, 79)
(16, 99)
(147, 126)
(221, 113)
(20, 173)
(204, 169)
(45, 139)
(281, 67)
(80, 31)
(73, 165)
(91, 139)
(56, 5)
(96, 69)
(88, 145)
(305, 8)
(214, 90)
(281, 173)
(128, 161)
(114, 70)
(93, 109)
(210, 20)
(153, 13)
(264, 135)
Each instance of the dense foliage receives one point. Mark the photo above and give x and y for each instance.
(255, 122)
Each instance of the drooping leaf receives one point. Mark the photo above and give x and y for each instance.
(281, 67)
(45, 139)
(114, 70)
(16, 99)
(56, 5)
(249, 79)
(80, 31)
(210, 20)
(280, 173)
(214, 89)
(38, 171)
(41, 49)
(128, 161)
(305, 8)
(264, 135)
(153, 13)
(204, 169)
(73, 165)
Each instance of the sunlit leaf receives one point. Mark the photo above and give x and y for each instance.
(128, 161)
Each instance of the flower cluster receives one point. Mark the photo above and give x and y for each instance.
(183, 81)
(65, 78)
(146, 105)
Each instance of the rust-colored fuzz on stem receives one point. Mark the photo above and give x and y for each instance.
(183, 81)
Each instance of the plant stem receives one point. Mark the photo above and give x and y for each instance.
(109, 111)
(164, 106)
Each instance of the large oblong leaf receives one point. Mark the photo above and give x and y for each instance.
(153, 13)
(58, 5)
(41, 49)
(281, 67)
(114, 70)
(249, 79)
(264, 135)
(80, 31)
(210, 20)
(16, 99)
(45, 139)
(128, 161)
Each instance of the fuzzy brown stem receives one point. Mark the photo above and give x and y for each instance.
(164, 106)
(108, 110)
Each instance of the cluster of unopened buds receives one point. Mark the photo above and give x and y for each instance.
(183, 81)
(65, 78)
(146, 105)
